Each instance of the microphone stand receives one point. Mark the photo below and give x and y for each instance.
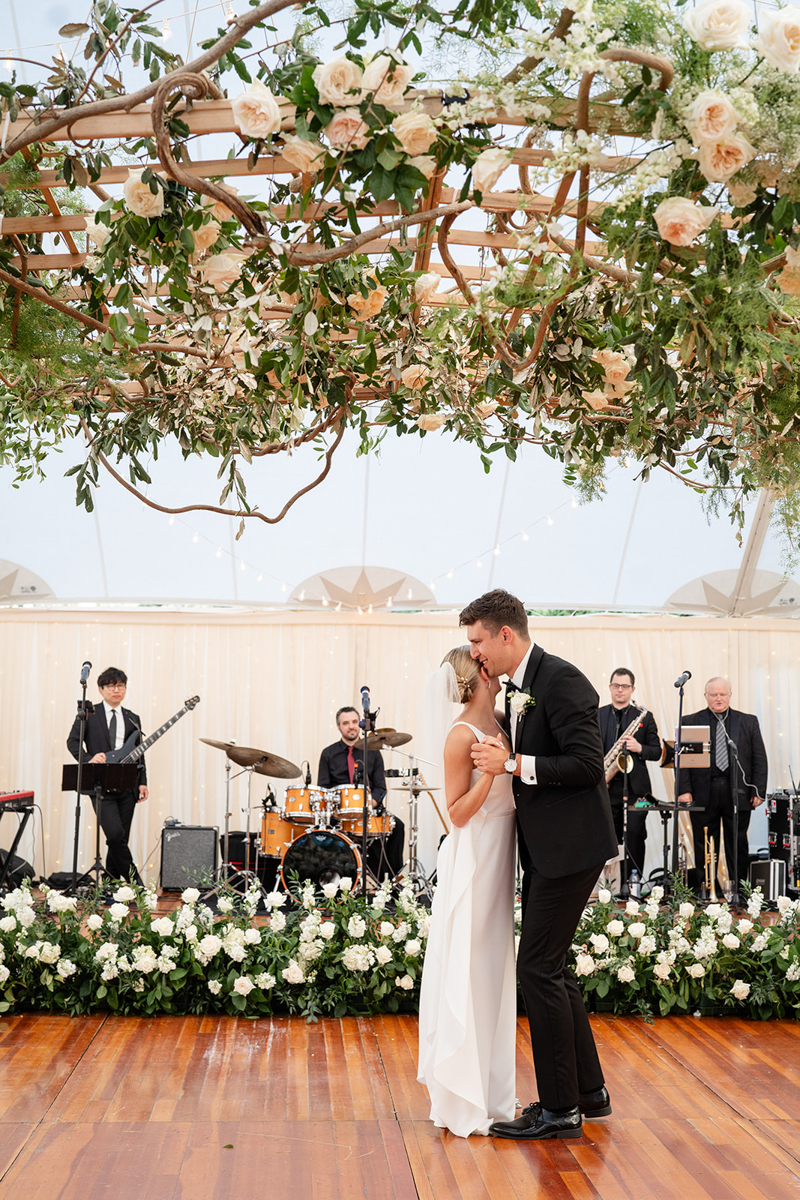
(676, 806)
(85, 707)
(367, 725)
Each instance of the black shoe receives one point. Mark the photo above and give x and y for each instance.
(537, 1123)
(595, 1104)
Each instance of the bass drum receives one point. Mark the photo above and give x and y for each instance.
(322, 856)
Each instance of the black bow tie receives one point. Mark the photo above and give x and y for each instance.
(512, 687)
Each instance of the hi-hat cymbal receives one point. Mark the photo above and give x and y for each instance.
(418, 787)
(385, 739)
(262, 762)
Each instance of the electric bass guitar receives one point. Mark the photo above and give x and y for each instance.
(129, 752)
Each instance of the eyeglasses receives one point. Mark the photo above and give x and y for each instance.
(622, 687)
(116, 687)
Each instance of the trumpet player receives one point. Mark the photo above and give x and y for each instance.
(622, 722)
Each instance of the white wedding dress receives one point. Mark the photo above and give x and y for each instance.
(468, 1001)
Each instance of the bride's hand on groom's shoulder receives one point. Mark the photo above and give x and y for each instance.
(489, 756)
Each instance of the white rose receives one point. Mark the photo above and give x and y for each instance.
(631, 908)
(366, 307)
(426, 286)
(66, 968)
(723, 159)
(731, 941)
(626, 974)
(337, 80)
(425, 164)
(243, 985)
(405, 982)
(347, 131)
(139, 199)
(256, 111)
(303, 155)
(345, 884)
(415, 132)
(412, 948)
(124, 894)
(686, 910)
(383, 955)
(696, 970)
(275, 899)
(712, 118)
(190, 895)
(680, 221)
(604, 896)
(740, 989)
(615, 928)
(252, 936)
(784, 904)
(94, 922)
(118, 911)
(386, 929)
(719, 24)
(488, 167)
(779, 38)
(387, 79)
(327, 929)
(661, 970)
(98, 234)
(599, 941)
(584, 964)
(637, 929)
(162, 926)
(221, 270)
(293, 973)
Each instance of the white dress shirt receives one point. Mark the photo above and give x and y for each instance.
(527, 762)
(120, 738)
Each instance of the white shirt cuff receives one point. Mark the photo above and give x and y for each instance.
(527, 769)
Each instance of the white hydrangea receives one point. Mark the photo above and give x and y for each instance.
(793, 973)
(50, 953)
(277, 922)
(66, 967)
(760, 943)
(26, 916)
(265, 981)
(356, 926)
(214, 986)
(401, 932)
(755, 904)
(647, 945)
(308, 896)
(358, 957)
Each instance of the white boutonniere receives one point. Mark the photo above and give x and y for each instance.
(520, 701)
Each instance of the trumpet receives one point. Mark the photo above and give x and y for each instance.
(710, 863)
(618, 759)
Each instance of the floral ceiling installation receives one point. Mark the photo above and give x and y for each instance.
(632, 289)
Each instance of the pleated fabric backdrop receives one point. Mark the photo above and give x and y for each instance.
(274, 680)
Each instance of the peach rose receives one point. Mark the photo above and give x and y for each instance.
(596, 399)
(426, 286)
(431, 421)
(485, 410)
(723, 159)
(488, 167)
(387, 79)
(741, 194)
(415, 132)
(414, 377)
(256, 111)
(789, 279)
(98, 234)
(712, 118)
(680, 221)
(425, 163)
(205, 236)
(347, 131)
(222, 270)
(616, 366)
(220, 211)
(138, 197)
(337, 81)
(719, 24)
(304, 156)
(370, 305)
(779, 38)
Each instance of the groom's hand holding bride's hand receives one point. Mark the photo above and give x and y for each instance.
(489, 756)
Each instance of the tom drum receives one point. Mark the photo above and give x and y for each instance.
(276, 834)
(300, 805)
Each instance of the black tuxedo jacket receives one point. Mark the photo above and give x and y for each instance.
(647, 735)
(97, 741)
(565, 820)
(744, 730)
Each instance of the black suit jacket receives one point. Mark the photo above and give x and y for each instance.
(565, 820)
(97, 741)
(333, 768)
(647, 735)
(744, 730)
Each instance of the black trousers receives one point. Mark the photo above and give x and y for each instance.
(564, 1054)
(719, 811)
(637, 831)
(116, 817)
(385, 856)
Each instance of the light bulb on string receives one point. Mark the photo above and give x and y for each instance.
(166, 32)
(369, 610)
(302, 595)
(9, 62)
(450, 574)
(259, 579)
(60, 53)
(478, 563)
(283, 587)
(574, 504)
(219, 552)
(196, 538)
(389, 602)
(324, 601)
(409, 594)
(230, 15)
(171, 521)
(525, 536)
(549, 519)
(338, 607)
(496, 551)
(432, 586)
(242, 565)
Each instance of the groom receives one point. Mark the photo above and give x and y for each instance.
(566, 835)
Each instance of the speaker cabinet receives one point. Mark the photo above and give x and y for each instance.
(188, 856)
(770, 876)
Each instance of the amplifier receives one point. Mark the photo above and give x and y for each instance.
(783, 825)
(770, 876)
(188, 856)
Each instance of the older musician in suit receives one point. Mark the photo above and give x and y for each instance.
(643, 745)
(725, 786)
(108, 728)
(566, 835)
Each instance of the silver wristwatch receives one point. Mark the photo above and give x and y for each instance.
(511, 764)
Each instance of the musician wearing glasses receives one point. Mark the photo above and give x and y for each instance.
(633, 738)
(108, 728)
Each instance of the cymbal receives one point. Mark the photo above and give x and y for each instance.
(385, 739)
(262, 762)
(418, 787)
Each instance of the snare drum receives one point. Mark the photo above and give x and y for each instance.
(300, 805)
(276, 834)
(321, 855)
(351, 821)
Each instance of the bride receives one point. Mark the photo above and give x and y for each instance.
(467, 1015)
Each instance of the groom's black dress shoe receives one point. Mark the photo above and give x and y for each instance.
(595, 1104)
(537, 1123)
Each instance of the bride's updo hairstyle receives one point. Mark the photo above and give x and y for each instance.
(467, 669)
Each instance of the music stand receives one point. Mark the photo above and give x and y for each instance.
(95, 778)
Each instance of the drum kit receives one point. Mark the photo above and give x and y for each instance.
(313, 833)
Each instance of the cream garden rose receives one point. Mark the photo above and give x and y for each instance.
(415, 132)
(256, 112)
(711, 118)
(387, 79)
(338, 81)
(219, 210)
(426, 287)
(431, 421)
(221, 270)
(425, 164)
(680, 220)
(779, 38)
(414, 377)
(303, 155)
(370, 305)
(488, 167)
(139, 199)
(723, 159)
(98, 234)
(719, 24)
(205, 237)
(789, 283)
(347, 131)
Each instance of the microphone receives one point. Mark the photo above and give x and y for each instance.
(308, 773)
(682, 679)
(365, 699)
(85, 669)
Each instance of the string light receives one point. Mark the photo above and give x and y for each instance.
(450, 573)
(259, 579)
(242, 565)
(574, 504)
(432, 586)
(409, 594)
(283, 587)
(9, 62)
(525, 536)
(166, 32)
(389, 602)
(171, 521)
(338, 607)
(196, 538)
(324, 601)
(230, 15)
(496, 551)
(60, 53)
(219, 552)
(549, 519)
(369, 610)
(302, 595)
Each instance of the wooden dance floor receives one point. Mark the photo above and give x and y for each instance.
(218, 1108)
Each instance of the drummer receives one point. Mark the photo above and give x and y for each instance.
(341, 764)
